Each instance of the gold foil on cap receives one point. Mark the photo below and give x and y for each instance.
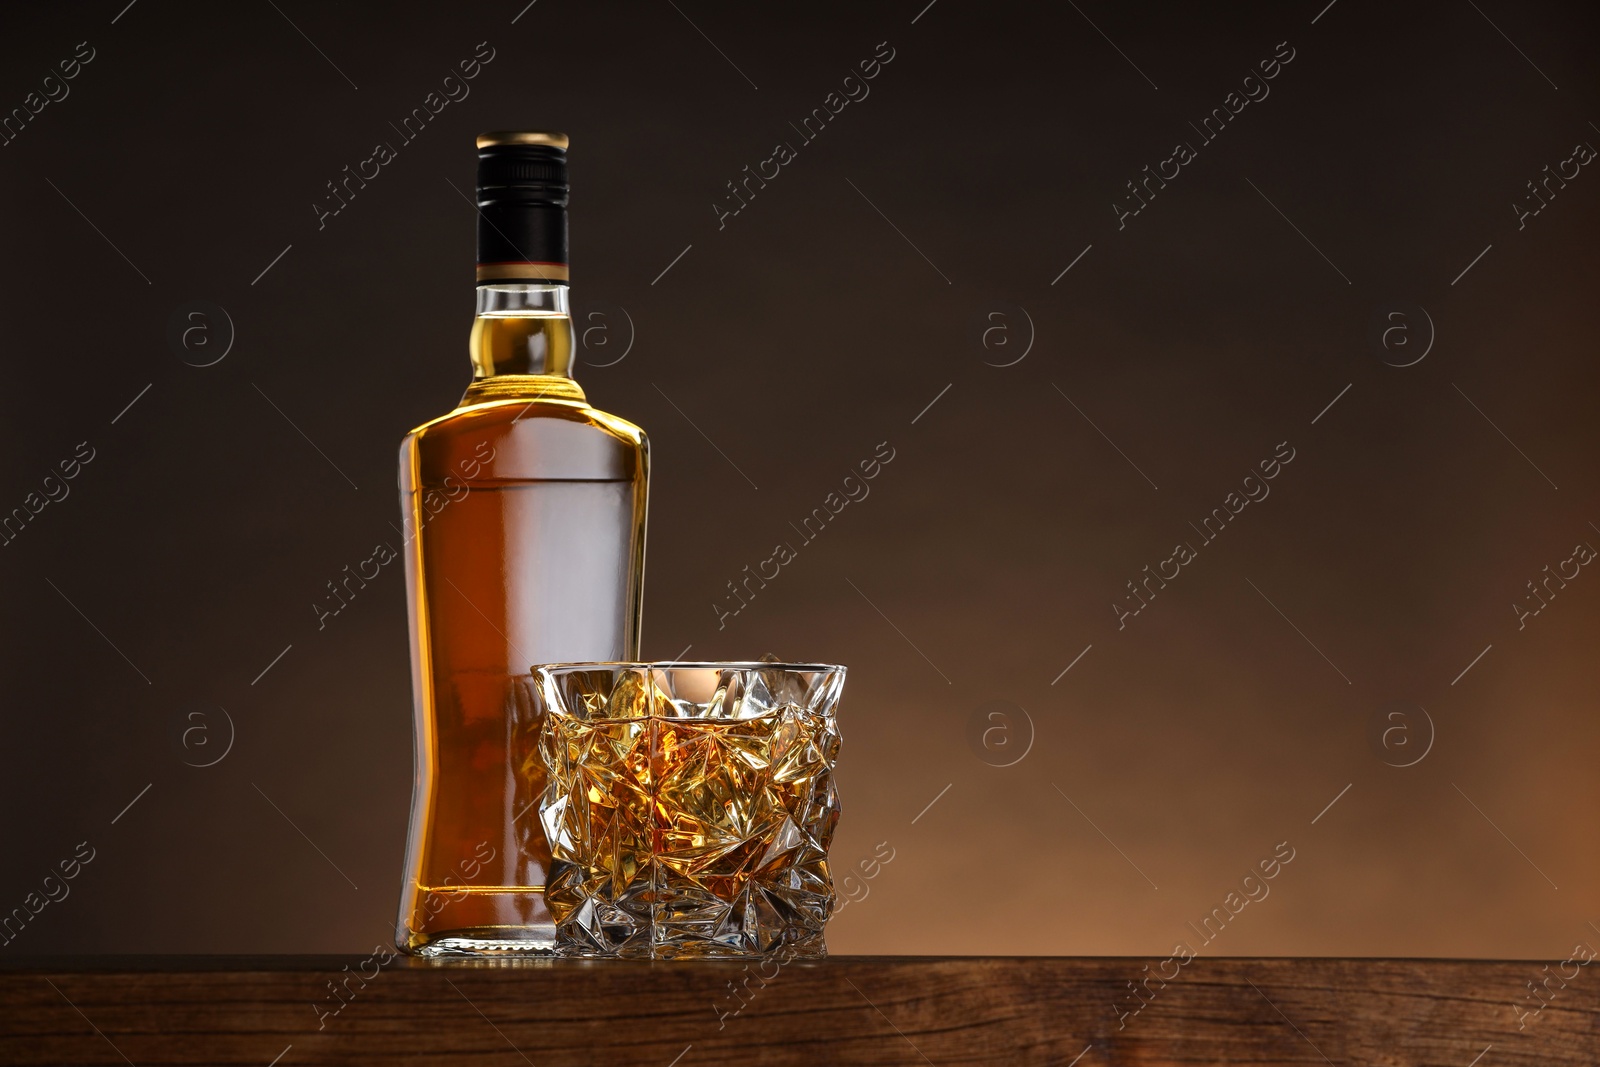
(497, 137)
(522, 272)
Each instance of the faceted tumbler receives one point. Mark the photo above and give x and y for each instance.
(689, 807)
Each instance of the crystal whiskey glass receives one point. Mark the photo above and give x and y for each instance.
(689, 807)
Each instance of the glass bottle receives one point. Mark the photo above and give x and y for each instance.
(525, 523)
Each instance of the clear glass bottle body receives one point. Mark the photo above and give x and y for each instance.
(525, 521)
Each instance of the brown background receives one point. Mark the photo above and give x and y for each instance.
(796, 339)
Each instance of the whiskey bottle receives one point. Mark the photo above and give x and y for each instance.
(524, 523)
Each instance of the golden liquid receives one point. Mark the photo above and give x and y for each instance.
(525, 520)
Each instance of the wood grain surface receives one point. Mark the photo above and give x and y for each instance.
(845, 1010)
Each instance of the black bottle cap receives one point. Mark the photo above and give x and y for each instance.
(522, 207)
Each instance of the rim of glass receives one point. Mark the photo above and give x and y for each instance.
(696, 665)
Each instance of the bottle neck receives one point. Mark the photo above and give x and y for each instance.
(522, 344)
(521, 329)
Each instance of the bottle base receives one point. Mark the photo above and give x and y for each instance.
(483, 943)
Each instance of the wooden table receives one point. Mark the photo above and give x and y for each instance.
(284, 1010)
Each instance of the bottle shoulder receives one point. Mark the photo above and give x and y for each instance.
(490, 414)
(505, 441)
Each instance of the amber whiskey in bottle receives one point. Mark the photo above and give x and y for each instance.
(524, 523)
